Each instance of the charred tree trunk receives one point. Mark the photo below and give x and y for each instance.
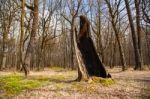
(82, 71)
(88, 60)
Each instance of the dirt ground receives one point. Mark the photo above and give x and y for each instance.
(129, 85)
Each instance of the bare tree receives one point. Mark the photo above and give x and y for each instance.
(8, 13)
(22, 32)
(114, 19)
(145, 10)
(100, 48)
(138, 63)
(138, 28)
(82, 72)
(32, 41)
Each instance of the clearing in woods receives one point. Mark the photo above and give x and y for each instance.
(57, 83)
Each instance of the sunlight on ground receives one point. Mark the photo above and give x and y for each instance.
(58, 82)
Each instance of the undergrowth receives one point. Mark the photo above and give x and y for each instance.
(13, 84)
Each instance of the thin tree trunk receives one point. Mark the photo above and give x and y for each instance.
(22, 34)
(137, 5)
(41, 49)
(116, 30)
(5, 39)
(31, 44)
(147, 45)
(99, 35)
(99, 40)
(122, 56)
(72, 58)
(138, 63)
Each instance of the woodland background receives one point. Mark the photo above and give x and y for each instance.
(40, 34)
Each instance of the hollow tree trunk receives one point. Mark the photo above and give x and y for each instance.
(82, 72)
(88, 60)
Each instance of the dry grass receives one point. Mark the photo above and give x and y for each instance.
(128, 85)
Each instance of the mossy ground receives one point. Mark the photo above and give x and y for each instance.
(56, 82)
(104, 82)
(15, 83)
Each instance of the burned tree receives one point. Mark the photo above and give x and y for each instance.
(92, 63)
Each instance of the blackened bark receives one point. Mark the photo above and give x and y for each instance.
(90, 58)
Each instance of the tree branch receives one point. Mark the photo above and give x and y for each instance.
(66, 18)
(28, 6)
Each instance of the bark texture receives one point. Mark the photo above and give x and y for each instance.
(89, 56)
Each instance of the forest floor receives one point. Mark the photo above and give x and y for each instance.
(59, 84)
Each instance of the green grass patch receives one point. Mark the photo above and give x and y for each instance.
(103, 81)
(11, 85)
(91, 86)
